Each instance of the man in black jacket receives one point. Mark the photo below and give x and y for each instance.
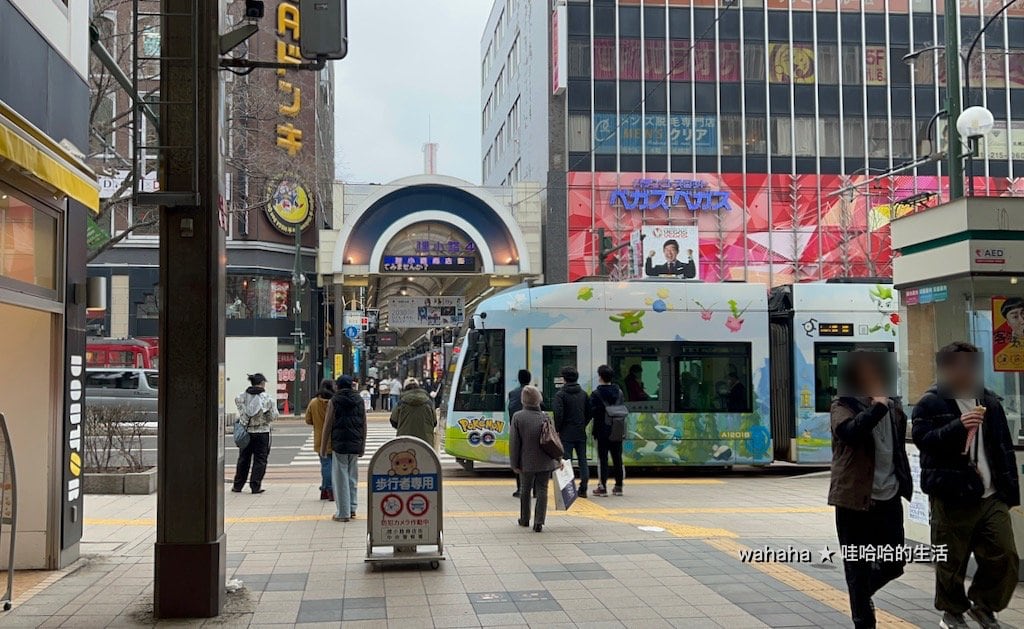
(606, 393)
(968, 470)
(572, 414)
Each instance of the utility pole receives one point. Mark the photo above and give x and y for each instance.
(297, 283)
(953, 100)
(190, 551)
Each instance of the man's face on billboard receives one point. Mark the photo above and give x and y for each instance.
(1015, 317)
(671, 251)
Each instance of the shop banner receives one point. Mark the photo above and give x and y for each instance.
(1008, 333)
(424, 312)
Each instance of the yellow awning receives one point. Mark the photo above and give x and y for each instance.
(32, 150)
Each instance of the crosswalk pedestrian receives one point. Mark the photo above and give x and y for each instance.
(377, 434)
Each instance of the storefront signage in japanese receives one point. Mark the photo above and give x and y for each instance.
(288, 206)
(423, 312)
(289, 137)
(666, 194)
(404, 494)
(430, 264)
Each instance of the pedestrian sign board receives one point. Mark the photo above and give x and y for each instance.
(404, 501)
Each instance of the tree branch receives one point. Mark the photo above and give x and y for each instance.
(118, 238)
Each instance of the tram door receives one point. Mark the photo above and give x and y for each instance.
(549, 350)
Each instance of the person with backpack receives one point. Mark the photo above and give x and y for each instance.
(572, 414)
(256, 410)
(609, 430)
(528, 458)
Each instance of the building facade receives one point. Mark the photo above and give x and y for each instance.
(747, 120)
(279, 172)
(46, 194)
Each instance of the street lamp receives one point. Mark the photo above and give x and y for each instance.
(974, 123)
(953, 95)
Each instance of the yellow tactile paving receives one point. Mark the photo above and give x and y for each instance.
(456, 482)
(808, 585)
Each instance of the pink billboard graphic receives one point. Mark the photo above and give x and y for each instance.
(776, 229)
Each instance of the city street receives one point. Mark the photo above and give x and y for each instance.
(667, 554)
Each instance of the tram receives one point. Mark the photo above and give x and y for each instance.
(705, 367)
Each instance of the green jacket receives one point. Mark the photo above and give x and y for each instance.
(414, 416)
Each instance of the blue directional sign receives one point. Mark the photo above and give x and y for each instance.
(352, 332)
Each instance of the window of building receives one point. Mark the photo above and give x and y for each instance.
(630, 61)
(828, 64)
(902, 138)
(30, 248)
(828, 137)
(654, 22)
(604, 59)
(782, 141)
(678, 23)
(853, 137)
(850, 63)
(878, 137)
(579, 133)
(579, 20)
(753, 62)
(804, 132)
(257, 297)
(757, 135)
(481, 386)
(654, 60)
(579, 58)
(604, 21)
(103, 136)
(732, 135)
(629, 21)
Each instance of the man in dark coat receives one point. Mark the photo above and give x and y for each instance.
(969, 472)
(572, 414)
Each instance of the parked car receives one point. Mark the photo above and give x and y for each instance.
(123, 387)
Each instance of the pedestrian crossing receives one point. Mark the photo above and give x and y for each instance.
(377, 434)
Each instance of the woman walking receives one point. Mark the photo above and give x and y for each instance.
(344, 438)
(257, 410)
(529, 461)
(414, 415)
(316, 413)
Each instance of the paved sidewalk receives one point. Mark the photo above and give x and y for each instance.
(664, 555)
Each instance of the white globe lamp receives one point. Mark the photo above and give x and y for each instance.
(975, 122)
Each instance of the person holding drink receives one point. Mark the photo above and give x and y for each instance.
(870, 475)
(968, 470)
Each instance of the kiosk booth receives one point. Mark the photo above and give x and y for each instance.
(960, 273)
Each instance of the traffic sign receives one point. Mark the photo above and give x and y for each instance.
(352, 332)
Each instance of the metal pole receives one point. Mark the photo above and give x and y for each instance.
(297, 312)
(953, 100)
(190, 550)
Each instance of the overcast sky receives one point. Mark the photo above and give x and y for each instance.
(408, 60)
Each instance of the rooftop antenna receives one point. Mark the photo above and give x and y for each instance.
(429, 153)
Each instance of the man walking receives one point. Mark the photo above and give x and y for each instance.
(572, 414)
(606, 394)
(969, 472)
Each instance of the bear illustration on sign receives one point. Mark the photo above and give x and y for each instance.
(403, 463)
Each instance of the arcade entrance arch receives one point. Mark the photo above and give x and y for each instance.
(393, 246)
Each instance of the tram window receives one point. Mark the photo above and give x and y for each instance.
(826, 369)
(713, 378)
(554, 358)
(638, 370)
(482, 382)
